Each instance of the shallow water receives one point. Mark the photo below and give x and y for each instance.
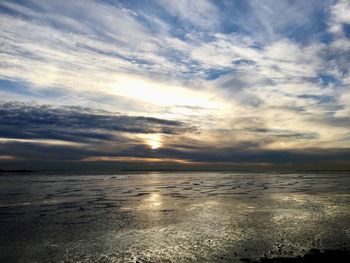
(171, 217)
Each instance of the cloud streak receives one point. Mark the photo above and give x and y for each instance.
(22, 121)
(261, 76)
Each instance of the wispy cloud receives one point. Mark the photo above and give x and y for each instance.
(202, 13)
(269, 75)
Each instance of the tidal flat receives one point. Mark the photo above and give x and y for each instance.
(173, 217)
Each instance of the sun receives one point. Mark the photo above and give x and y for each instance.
(154, 141)
(154, 145)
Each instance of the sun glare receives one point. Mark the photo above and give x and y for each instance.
(154, 141)
(161, 94)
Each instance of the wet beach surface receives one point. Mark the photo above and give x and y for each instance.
(174, 217)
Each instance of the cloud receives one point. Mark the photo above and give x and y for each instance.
(23, 121)
(201, 13)
(262, 76)
(76, 45)
(37, 156)
(340, 16)
(286, 133)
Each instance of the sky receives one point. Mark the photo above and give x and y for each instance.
(109, 85)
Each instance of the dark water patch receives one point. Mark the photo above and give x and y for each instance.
(48, 205)
(73, 223)
(5, 215)
(313, 256)
(68, 205)
(142, 194)
(176, 195)
(106, 205)
(208, 191)
(96, 190)
(72, 180)
(44, 211)
(13, 194)
(167, 210)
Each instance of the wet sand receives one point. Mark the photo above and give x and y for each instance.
(174, 217)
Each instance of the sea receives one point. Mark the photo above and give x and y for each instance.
(172, 216)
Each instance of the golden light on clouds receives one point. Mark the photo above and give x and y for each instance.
(7, 157)
(154, 141)
(137, 159)
(161, 93)
(42, 141)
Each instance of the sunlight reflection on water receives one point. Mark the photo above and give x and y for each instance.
(171, 217)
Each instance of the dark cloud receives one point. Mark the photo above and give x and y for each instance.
(23, 121)
(102, 135)
(285, 133)
(39, 157)
(29, 151)
(331, 121)
(243, 155)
